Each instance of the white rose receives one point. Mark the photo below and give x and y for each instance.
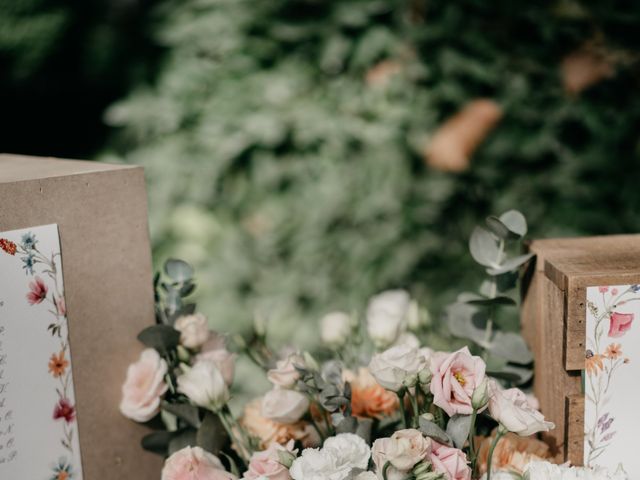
(284, 406)
(315, 464)
(214, 349)
(403, 450)
(144, 386)
(349, 449)
(335, 328)
(285, 374)
(408, 338)
(387, 316)
(194, 330)
(204, 385)
(393, 366)
(511, 409)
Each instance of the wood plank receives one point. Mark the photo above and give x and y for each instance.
(575, 429)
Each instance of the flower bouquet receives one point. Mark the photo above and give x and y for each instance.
(374, 403)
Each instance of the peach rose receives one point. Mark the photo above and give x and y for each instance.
(193, 463)
(194, 330)
(403, 450)
(450, 461)
(368, 398)
(455, 378)
(266, 464)
(214, 349)
(267, 431)
(143, 387)
(512, 452)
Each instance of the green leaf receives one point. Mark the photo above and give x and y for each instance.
(184, 411)
(499, 228)
(161, 337)
(515, 222)
(500, 300)
(181, 439)
(466, 321)
(510, 264)
(157, 442)
(211, 435)
(458, 429)
(178, 270)
(432, 430)
(512, 347)
(484, 248)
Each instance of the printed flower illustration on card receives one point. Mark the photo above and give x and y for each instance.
(611, 313)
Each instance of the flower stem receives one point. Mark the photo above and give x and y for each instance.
(416, 411)
(472, 434)
(401, 394)
(501, 431)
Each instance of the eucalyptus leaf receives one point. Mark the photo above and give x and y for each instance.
(184, 411)
(160, 337)
(515, 222)
(365, 426)
(513, 374)
(432, 430)
(178, 270)
(511, 346)
(510, 264)
(466, 321)
(458, 429)
(157, 442)
(211, 435)
(484, 248)
(181, 439)
(499, 300)
(498, 228)
(347, 425)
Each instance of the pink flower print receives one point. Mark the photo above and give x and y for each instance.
(38, 291)
(603, 289)
(614, 291)
(61, 306)
(620, 323)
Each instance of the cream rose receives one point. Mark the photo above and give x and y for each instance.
(144, 386)
(403, 450)
(194, 330)
(285, 374)
(193, 463)
(214, 349)
(335, 328)
(511, 409)
(455, 377)
(393, 366)
(387, 316)
(204, 385)
(284, 406)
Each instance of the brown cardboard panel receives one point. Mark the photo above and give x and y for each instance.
(101, 212)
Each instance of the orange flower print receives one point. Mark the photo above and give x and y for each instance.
(614, 350)
(594, 363)
(8, 246)
(58, 364)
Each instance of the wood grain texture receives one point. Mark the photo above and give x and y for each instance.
(554, 323)
(101, 212)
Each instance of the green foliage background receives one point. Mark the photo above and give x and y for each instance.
(295, 187)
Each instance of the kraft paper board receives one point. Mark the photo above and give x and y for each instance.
(101, 213)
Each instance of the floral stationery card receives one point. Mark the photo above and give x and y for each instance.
(38, 424)
(612, 372)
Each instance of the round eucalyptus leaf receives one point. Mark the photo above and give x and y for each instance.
(500, 300)
(510, 264)
(498, 228)
(512, 347)
(515, 222)
(458, 429)
(178, 270)
(484, 249)
(160, 337)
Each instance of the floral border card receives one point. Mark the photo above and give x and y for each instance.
(612, 371)
(38, 424)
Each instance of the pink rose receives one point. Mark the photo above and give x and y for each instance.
(511, 409)
(193, 463)
(194, 330)
(455, 378)
(285, 374)
(144, 386)
(403, 450)
(37, 291)
(266, 464)
(450, 461)
(215, 350)
(620, 323)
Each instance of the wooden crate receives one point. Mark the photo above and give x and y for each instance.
(554, 319)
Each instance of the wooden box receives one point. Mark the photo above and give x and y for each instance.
(101, 213)
(554, 324)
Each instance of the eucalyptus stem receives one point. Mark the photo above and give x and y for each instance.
(501, 431)
(472, 434)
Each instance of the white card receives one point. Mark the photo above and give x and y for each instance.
(38, 424)
(612, 373)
